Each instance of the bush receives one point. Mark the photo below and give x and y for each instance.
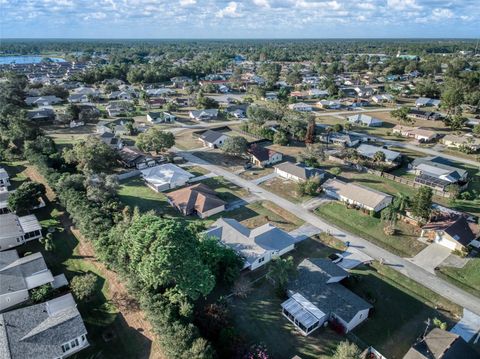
(42, 293)
(336, 171)
(83, 286)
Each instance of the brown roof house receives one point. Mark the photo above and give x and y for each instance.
(455, 234)
(261, 156)
(440, 344)
(197, 199)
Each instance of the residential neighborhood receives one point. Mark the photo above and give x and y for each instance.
(240, 199)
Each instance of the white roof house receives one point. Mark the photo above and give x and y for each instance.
(426, 101)
(164, 177)
(300, 107)
(4, 178)
(257, 246)
(370, 150)
(365, 120)
(361, 196)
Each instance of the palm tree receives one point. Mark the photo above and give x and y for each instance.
(401, 202)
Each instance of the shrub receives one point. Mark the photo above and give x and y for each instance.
(83, 286)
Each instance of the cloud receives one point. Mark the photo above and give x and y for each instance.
(439, 14)
(187, 2)
(229, 11)
(403, 4)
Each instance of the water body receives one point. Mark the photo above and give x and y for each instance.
(6, 60)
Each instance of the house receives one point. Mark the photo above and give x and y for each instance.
(364, 91)
(15, 230)
(121, 95)
(132, 157)
(369, 151)
(329, 104)
(424, 115)
(271, 96)
(41, 114)
(365, 120)
(382, 98)
(118, 108)
(297, 172)
(257, 246)
(213, 139)
(43, 100)
(156, 102)
(440, 344)
(78, 98)
(164, 177)
(196, 199)
(110, 139)
(418, 133)
(455, 233)
(426, 101)
(180, 81)
(160, 117)
(19, 275)
(159, 92)
(300, 107)
(4, 194)
(317, 93)
(261, 156)
(50, 330)
(465, 141)
(4, 178)
(437, 171)
(341, 138)
(356, 194)
(316, 297)
(204, 115)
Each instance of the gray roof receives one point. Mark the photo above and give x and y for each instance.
(38, 331)
(212, 112)
(3, 173)
(251, 244)
(10, 226)
(364, 119)
(370, 150)
(311, 283)
(299, 170)
(436, 166)
(211, 136)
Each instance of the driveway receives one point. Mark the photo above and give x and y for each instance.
(468, 326)
(431, 257)
(353, 257)
(304, 231)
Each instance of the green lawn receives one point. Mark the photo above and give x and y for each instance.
(259, 213)
(284, 188)
(401, 308)
(467, 278)
(404, 243)
(226, 190)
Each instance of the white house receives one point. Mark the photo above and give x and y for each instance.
(466, 141)
(369, 151)
(164, 177)
(426, 101)
(53, 330)
(43, 100)
(160, 117)
(271, 96)
(418, 133)
(365, 120)
(358, 195)
(4, 178)
(297, 172)
(261, 156)
(382, 98)
(257, 246)
(15, 230)
(19, 275)
(204, 115)
(213, 139)
(300, 107)
(329, 104)
(316, 297)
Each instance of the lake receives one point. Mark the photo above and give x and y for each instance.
(5, 60)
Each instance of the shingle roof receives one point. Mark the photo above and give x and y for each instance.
(38, 331)
(261, 153)
(437, 166)
(211, 136)
(459, 229)
(311, 283)
(299, 170)
(197, 197)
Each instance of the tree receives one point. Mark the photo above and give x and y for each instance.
(155, 140)
(476, 130)
(309, 187)
(235, 145)
(311, 127)
(335, 171)
(206, 102)
(279, 272)
(91, 155)
(83, 286)
(452, 95)
(100, 187)
(401, 114)
(337, 127)
(26, 197)
(54, 90)
(222, 261)
(456, 122)
(347, 350)
(421, 204)
(428, 88)
(379, 156)
(280, 138)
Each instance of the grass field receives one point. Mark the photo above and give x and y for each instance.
(404, 243)
(284, 188)
(467, 278)
(256, 172)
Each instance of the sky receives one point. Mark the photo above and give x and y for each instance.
(239, 19)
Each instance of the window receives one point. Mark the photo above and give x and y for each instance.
(261, 260)
(65, 347)
(74, 343)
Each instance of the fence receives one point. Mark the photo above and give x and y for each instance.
(128, 175)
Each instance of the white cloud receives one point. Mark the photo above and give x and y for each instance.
(95, 16)
(442, 14)
(403, 4)
(262, 3)
(187, 2)
(229, 11)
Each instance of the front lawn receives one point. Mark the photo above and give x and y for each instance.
(226, 190)
(404, 243)
(467, 278)
(401, 308)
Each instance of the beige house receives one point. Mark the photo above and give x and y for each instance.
(418, 133)
(358, 195)
(467, 140)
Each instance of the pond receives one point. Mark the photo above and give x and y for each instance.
(6, 60)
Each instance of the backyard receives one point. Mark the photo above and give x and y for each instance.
(404, 243)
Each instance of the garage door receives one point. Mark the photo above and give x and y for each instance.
(446, 243)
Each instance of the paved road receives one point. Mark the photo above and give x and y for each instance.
(402, 265)
(360, 110)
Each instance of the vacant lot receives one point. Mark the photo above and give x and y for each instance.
(230, 163)
(226, 190)
(259, 213)
(285, 188)
(467, 278)
(404, 243)
(185, 140)
(256, 172)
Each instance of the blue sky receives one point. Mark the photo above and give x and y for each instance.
(239, 19)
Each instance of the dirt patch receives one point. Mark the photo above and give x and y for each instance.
(33, 174)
